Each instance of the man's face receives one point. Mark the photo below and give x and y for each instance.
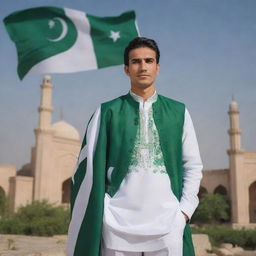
(142, 68)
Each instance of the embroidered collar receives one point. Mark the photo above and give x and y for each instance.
(138, 98)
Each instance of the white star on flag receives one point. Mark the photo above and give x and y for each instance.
(80, 35)
(51, 23)
(114, 35)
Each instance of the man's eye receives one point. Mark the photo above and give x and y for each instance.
(150, 60)
(135, 61)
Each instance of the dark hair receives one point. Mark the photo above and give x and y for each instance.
(139, 42)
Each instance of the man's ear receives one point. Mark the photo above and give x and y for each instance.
(158, 68)
(126, 70)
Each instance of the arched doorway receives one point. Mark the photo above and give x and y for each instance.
(2, 196)
(252, 202)
(202, 191)
(2, 193)
(220, 190)
(3, 203)
(66, 191)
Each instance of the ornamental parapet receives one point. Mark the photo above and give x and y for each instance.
(235, 151)
(233, 111)
(46, 85)
(43, 130)
(43, 108)
(234, 131)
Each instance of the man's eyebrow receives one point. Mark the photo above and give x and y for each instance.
(135, 60)
(138, 59)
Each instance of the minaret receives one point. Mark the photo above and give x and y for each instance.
(43, 134)
(239, 202)
(45, 109)
(234, 130)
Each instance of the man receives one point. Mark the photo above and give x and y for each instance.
(138, 172)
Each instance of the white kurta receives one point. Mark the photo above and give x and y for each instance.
(144, 214)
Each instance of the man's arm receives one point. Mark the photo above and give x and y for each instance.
(192, 165)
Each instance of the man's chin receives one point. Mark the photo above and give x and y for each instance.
(143, 85)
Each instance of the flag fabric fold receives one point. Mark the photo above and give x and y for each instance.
(62, 40)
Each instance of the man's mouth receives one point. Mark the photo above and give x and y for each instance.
(142, 75)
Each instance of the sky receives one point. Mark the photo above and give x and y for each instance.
(208, 56)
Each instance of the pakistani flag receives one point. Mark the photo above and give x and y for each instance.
(56, 40)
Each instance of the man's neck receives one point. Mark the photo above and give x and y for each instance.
(144, 93)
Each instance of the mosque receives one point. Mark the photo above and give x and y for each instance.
(54, 156)
(53, 159)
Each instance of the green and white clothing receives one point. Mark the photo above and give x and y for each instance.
(110, 160)
(168, 251)
(144, 214)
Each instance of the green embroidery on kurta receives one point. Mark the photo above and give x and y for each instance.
(147, 154)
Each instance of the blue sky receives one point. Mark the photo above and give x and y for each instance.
(208, 53)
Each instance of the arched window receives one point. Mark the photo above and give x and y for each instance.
(220, 190)
(252, 202)
(66, 191)
(3, 202)
(202, 191)
(2, 193)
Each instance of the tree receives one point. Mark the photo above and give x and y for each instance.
(213, 208)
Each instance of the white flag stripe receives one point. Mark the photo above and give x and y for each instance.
(79, 57)
(137, 28)
(74, 171)
(83, 153)
(82, 156)
(109, 173)
(84, 150)
(83, 195)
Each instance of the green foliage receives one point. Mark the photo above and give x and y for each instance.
(39, 218)
(11, 226)
(4, 206)
(223, 234)
(213, 208)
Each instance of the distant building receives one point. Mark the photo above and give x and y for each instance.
(54, 156)
(239, 181)
(53, 159)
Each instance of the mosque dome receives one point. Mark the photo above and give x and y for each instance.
(64, 130)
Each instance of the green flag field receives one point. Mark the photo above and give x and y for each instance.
(62, 40)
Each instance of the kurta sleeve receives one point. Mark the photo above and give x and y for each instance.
(192, 166)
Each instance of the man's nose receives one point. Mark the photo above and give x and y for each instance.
(143, 65)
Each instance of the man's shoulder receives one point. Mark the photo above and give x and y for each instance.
(170, 101)
(114, 103)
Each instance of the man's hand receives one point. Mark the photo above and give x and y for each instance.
(185, 216)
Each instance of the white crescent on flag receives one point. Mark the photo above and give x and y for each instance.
(64, 29)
